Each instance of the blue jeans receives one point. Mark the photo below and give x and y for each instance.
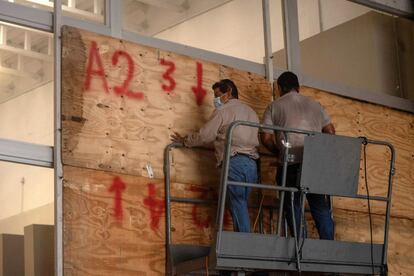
(242, 169)
(319, 205)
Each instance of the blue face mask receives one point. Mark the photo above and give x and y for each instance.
(217, 102)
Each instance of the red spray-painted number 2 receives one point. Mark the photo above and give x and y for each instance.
(124, 88)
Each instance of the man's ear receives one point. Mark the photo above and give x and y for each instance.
(279, 89)
(227, 96)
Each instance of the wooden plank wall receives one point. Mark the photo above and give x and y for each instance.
(114, 213)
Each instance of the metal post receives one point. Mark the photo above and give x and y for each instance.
(113, 17)
(387, 218)
(57, 140)
(267, 41)
(302, 215)
(223, 190)
(295, 235)
(283, 184)
(291, 34)
(167, 207)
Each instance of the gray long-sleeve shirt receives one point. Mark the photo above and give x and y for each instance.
(245, 140)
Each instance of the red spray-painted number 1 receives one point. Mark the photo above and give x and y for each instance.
(117, 187)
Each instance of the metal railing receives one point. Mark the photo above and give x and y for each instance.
(281, 187)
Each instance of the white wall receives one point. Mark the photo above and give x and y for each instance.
(29, 118)
(23, 188)
(236, 28)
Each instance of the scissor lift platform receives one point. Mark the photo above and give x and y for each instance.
(250, 252)
(338, 160)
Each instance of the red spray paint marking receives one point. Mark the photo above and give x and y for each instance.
(94, 57)
(156, 206)
(124, 88)
(196, 218)
(167, 76)
(198, 90)
(117, 187)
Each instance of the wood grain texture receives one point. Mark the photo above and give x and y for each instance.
(106, 135)
(115, 133)
(354, 118)
(354, 226)
(96, 243)
(253, 89)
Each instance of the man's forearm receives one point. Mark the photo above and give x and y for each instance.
(193, 140)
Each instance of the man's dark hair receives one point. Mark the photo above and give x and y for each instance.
(288, 81)
(225, 85)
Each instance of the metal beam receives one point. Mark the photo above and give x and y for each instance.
(291, 33)
(26, 53)
(115, 18)
(234, 62)
(26, 16)
(26, 153)
(57, 153)
(85, 25)
(267, 41)
(403, 8)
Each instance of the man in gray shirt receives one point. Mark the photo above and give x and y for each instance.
(293, 110)
(244, 152)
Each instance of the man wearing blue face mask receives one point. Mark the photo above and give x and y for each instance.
(244, 147)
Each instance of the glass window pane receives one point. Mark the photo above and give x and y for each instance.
(26, 85)
(233, 28)
(90, 10)
(353, 45)
(26, 196)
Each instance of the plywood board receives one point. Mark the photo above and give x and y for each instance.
(354, 118)
(354, 226)
(105, 130)
(97, 241)
(101, 237)
(112, 133)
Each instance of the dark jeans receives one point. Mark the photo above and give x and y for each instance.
(319, 205)
(242, 169)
